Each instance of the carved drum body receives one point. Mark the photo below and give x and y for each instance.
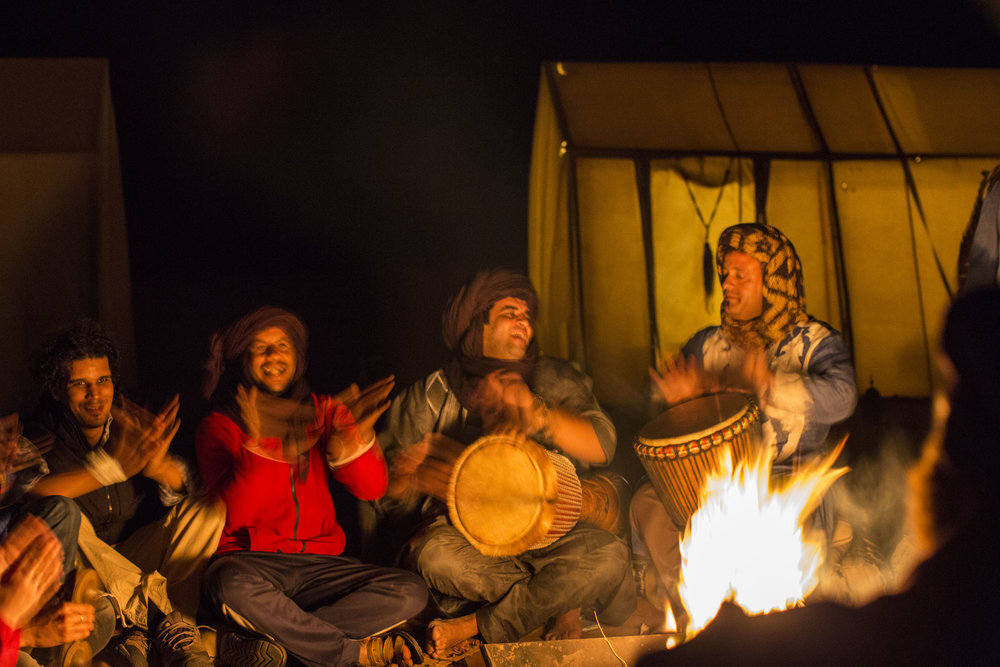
(682, 446)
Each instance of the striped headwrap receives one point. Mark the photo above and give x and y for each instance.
(784, 298)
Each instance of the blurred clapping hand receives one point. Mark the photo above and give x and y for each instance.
(279, 429)
(269, 420)
(17, 453)
(366, 406)
(141, 439)
(424, 468)
(681, 378)
(507, 404)
(30, 570)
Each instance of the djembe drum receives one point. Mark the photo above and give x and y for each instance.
(508, 494)
(682, 446)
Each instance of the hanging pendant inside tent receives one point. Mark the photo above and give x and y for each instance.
(707, 257)
(708, 271)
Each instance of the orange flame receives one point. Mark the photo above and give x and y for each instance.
(747, 541)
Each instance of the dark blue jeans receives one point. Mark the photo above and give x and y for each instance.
(588, 569)
(318, 607)
(61, 514)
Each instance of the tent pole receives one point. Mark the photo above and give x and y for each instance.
(761, 181)
(920, 293)
(576, 264)
(722, 110)
(840, 271)
(911, 184)
(910, 188)
(643, 189)
(557, 103)
(807, 156)
(572, 212)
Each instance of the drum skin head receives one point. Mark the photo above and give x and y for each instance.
(694, 419)
(503, 494)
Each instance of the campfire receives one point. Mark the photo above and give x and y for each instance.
(750, 541)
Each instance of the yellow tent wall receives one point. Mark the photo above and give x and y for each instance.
(63, 245)
(872, 172)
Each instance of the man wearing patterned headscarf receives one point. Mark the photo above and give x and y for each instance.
(496, 379)
(953, 498)
(798, 369)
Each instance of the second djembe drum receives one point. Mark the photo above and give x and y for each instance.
(682, 446)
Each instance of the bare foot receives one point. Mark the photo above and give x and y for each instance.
(443, 633)
(567, 626)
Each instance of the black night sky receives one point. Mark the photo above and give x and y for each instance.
(356, 162)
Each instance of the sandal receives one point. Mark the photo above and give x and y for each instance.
(387, 649)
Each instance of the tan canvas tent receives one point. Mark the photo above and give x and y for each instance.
(63, 246)
(871, 171)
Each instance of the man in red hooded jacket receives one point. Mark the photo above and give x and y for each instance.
(269, 451)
